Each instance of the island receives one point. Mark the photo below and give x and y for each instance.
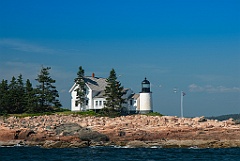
(73, 131)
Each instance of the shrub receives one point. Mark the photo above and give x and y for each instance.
(108, 112)
(154, 114)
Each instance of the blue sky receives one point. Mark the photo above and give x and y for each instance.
(193, 46)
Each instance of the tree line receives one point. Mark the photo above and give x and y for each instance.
(18, 96)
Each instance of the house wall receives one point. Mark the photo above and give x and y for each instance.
(89, 98)
(136, 103)
(73, 101)
(79, 107)
(93, 94)
(129, 104)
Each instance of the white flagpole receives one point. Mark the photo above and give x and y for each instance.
(182, 104)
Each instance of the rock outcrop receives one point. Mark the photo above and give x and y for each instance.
(134, 130)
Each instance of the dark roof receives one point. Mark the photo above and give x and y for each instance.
(100, 94)
(145, 81)
(95, 83)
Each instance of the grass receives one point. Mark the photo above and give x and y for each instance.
(77, 113)
(153, 114)
(81, 113)
(30, 114)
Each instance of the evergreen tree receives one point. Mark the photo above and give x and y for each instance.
(13, 96)
(30, 97)
(81, 90)
(114, 93)
(21, 103)
(4, 97)
(46, 91)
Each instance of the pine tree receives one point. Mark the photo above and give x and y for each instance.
(13, 96)
(21, 103)
(16, 95)
(46, 91)
(4, 97)
(114, 93)
(81, 90)
(30, 98)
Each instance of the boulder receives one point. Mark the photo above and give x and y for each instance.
(6, 134)
(55, 144)
(85, 134)
(68, 129)
(136, 144)
(202, 119)
(24, 134)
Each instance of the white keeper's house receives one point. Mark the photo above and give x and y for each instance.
(95, 99)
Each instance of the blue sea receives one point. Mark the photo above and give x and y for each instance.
(117, 154)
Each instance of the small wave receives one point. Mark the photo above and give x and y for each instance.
(12, 146)
(194, 147)
(155, 147)
(8, 146)
(18, 145)
(122, 147)
(96, 147)
(126, 147)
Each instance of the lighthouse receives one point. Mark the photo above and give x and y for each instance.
(145, 97)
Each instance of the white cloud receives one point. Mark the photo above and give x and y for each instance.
(20, 45)
(11, 68)
(211, 78)
(212, 89)
(34, 48)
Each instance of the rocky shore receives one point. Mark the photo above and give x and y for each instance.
(65, 131)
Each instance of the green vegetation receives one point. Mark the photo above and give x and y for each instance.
(30, 114)
(46, 92)
(87, 113)
(81, 90)
(109, 112)
(18, 97)
(62, 112)
(102, 113)
(154, 114)
(113, 92)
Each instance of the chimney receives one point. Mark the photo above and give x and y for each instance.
(93, 75)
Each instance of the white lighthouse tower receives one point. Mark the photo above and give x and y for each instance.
(145, 98)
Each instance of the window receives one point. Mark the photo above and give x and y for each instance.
(86, 102)
(100, 103)
(96, 103)
(76, 103)
(131, 102)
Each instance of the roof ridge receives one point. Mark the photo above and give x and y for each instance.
(93, 77)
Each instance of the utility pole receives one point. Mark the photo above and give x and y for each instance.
(181, 104)
(182, 94)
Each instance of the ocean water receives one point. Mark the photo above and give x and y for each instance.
(117, 154)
